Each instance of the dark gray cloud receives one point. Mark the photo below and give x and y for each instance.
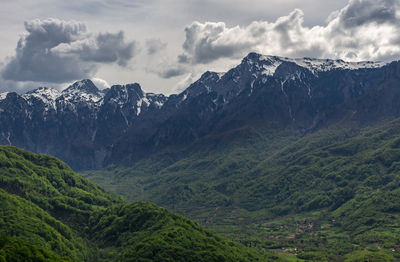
(154, 46)
(104, 48)
(172, 72)
(34, 60)
(360, 12)
(109, 48)
(362, 30)
(59, 51)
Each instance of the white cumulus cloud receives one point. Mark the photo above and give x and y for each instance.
(59, 51)
(362, 30)
(100, 83)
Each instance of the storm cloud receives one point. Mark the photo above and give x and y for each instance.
(362, 30)
(58, 51)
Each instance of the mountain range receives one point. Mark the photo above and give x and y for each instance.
(91, 128)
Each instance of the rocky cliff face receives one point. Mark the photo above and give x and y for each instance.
(88, 128)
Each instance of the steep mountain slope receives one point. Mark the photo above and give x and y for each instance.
(271, 93)
(50, 213)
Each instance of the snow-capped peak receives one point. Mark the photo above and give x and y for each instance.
(85, 85)
(268, 64)
(83, 90)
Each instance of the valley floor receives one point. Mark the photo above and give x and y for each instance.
(332, 195)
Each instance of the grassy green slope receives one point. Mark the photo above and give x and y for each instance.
(50, 213)
(342, 174)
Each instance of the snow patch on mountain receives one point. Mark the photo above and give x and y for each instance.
(271, 66)
(271, 63)
(158, 104)
(157, 99)
(143, 102)
(132, 96)
(322, 65)
(3, 95)
(77, 95)
(47, 95)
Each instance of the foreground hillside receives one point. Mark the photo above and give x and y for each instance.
(50, 213)
(330, 195)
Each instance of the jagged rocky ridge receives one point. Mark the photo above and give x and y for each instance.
(89, 128)
(78, 124)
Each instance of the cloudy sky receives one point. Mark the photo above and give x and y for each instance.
(166, 44)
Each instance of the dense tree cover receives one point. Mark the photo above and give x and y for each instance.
(51, 184)
(25, 220)
(15, 250)
(50, 213)
(145, 232)
(347, 174)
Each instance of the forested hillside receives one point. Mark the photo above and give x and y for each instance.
(50, 213)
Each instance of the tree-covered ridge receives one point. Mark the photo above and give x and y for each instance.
(50, 213)
(50, 184)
